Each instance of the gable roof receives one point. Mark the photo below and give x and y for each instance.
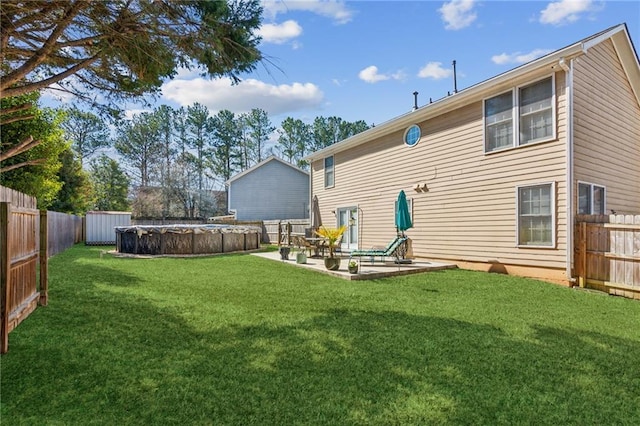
(618, 34)
(262, 163)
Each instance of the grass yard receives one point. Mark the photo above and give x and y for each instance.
(241, 340)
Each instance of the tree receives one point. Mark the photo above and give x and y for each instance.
(86, 131)
(41, 182)
(330, 130)
(76, 194)
(258, 128)
(199, 128)
(12, 111)
(165, 116)
(138, 143)
(120, 50)
(294, 137)
(226, 134)
(183, 185)
(110, 183)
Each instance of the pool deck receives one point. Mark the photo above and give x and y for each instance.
(366, 270)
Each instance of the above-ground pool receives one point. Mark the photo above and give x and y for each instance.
(186, 239)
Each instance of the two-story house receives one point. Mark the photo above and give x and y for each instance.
(496, 173)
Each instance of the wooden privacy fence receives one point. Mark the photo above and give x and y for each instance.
(23, 244)
(28, 237)
(63, 230)
(607, 253)
(280, 231)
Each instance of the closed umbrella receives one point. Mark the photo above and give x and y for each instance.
(316, 221)
(403, 217)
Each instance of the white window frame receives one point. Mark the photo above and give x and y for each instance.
(592, 187)
(553, 195)
(516, 116)
(329, 171)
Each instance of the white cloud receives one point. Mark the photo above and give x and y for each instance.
(565, 11)
(371, 75)
(518, 57)
(280, 33)
(335, 10)
(458, 14)
(130, 113)
(435, 71)
(220, 94)
(399, 75)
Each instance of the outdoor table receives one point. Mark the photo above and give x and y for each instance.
(318, 244)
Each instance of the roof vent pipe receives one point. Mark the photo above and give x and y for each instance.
(415, 101)
(455, 79)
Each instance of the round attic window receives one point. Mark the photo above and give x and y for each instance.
(412, 135)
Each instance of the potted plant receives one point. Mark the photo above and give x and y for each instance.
(332, 235)
(353, 267)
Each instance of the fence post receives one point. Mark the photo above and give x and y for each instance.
(44, 259)
(5, 275)
(582, 278)
(279, 233)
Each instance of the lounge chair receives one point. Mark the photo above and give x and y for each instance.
(391, 250)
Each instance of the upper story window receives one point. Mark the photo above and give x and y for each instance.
(328, 172)
(521, 116)
(412, 135)
(590, 198)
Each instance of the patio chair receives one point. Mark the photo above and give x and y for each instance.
(391, 250)
(302, 244)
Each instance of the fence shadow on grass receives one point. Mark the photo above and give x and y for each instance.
(126, 361)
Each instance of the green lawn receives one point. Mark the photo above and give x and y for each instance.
(241, 340)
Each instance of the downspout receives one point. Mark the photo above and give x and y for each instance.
(310, 191)
(568, 69)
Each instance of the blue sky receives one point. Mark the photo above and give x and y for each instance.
(362, 60)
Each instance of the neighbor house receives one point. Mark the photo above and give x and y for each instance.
(272, 189)
(496, 173)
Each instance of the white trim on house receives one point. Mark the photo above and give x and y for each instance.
(478, 92)
(570, 211)
(262, 163)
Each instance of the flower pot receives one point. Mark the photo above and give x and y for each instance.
(353, 269)
(332, 263)
(301, 257)
(284, 253)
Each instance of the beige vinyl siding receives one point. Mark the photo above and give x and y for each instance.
(607, 129)
(469, 211)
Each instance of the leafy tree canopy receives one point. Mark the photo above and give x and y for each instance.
(75, 195)
(122, 49)
(41, 182)
(86, 132)
(110, 183)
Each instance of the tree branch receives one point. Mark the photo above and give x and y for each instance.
(39, 85)
(42, 54)
(23, 164)
(4, 121)
(14, 109)
(23, 146)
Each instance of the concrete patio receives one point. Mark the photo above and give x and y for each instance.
(366, 270)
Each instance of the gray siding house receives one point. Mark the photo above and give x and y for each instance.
(272, 189)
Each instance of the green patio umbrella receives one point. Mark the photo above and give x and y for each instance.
(403, 217)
